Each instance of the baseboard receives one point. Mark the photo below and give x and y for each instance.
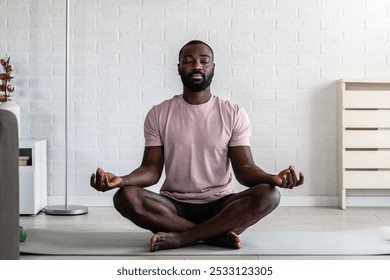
(325, 201)
(81, 200)
(331, 201)
(309, 201)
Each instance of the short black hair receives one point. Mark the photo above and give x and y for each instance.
(195, 42)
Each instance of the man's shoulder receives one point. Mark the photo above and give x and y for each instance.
(229, 104)
(167, 102)
(226, 102)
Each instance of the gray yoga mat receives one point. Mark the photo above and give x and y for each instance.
(374, 241)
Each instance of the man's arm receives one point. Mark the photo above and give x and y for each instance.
(249, 174)
(147, 174)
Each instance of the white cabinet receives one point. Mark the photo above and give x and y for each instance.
(364, 136)
(32, 176)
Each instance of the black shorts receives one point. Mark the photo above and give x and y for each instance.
(199, 213)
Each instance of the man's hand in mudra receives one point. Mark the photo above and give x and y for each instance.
(287, 178)
(105, 181)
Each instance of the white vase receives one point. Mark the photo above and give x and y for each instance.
(14, 108)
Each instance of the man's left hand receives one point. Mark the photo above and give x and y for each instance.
(287, 178)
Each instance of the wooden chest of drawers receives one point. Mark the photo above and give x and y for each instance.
(364, 136)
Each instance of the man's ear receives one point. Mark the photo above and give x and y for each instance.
(178, 68)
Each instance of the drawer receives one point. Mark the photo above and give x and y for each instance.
(366, 99)
(366, 118)
(366, 159)
(366, 139)
(366, 179)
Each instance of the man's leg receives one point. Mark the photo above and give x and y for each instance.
(149, 210)
(240, 211)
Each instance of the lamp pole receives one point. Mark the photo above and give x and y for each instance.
(66, 209)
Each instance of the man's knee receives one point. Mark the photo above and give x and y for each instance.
(275, 196)
(125, 198)
(118, 199)
(268, 196)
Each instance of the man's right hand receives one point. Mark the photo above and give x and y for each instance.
(104, 181)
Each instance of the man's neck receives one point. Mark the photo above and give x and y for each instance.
(197, 98)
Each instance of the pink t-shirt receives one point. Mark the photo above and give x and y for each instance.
(196, 140)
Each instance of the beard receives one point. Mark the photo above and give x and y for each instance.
(196, 86)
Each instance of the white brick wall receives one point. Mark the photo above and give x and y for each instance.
(278, 58)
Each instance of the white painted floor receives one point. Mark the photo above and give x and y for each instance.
(283, 218)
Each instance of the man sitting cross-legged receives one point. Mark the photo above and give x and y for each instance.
(197, 137)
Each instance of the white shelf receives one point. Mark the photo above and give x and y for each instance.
(33, 176)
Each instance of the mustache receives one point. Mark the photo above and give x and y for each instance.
(197, 72)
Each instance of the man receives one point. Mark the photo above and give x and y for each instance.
(196, 135)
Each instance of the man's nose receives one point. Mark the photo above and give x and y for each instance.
(197, 65)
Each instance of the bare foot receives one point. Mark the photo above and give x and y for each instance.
(163, 240)
(171, 240)
(230, 240)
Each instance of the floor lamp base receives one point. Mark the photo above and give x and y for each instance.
(63, 210)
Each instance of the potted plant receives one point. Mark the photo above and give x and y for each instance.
(6, 89)
(5, 79)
